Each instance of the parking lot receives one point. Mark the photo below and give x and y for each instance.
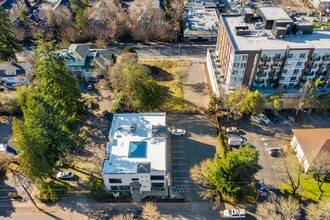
(198, 144)
(264, 136)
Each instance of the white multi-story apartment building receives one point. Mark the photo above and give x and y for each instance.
(269, 49)
(136, 153)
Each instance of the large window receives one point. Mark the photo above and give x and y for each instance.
(302, 55)
(117, 180)
(157, 177)
(135, 179)
(290, 55)
(124, 188)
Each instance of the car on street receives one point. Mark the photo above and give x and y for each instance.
(178, 132)
(264, 118)
(135, 214)
(274, 152)
(290, 118)
(234, 213)
(65, 175)
(255, 118)
(236, 141)
(108, 115)
(109, 214)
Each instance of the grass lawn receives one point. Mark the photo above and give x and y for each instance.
(325, 25)
(285, 189)
(168, 75)
(311, 189)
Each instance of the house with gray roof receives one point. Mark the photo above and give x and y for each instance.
(83, 60)
(14, 73)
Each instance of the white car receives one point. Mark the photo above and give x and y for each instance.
(234, 213)
(236, 141)
(178, 132)
(65, 175)
(239, 8)
(255, 118)
(264, 118)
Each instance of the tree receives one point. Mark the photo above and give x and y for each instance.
(308, 97)
(78, 7)
(5, 160)
(23, 18)
(255, 102)
(293, 171)
(318, 211)
(9, 44)
(274, 102)
(229, 176)
(279, 208)
(320, 170)
(150, 212)
(150, 96)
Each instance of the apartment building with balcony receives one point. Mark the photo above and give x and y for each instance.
(136, 153)
(267, 49)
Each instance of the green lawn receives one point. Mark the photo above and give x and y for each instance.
(311, 190)
(167, 74)
(318, 25)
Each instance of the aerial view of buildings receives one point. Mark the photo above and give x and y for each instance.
(165, 109)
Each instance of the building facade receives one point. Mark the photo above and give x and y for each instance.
(268, 49)
(15, 73)
(136, 153)
(83, 60)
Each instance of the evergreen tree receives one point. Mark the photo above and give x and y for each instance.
(9, 44)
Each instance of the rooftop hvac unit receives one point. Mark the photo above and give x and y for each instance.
(259, 25)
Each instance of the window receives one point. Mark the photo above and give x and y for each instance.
(135, 179)
(124, 188)
(235, 72)
(236, 65)
(291, 84)
(244, 57)
(302, 55)
(243, 65)
(282, 78)
(290, 55)
(114, 188)
(115, 180)
(76, 68)
(277, 55)
(296, 71)
(285, 71)
(157, 177)
(299, 63)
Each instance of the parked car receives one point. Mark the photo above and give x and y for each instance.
(234, 213)
(232, 130)
(264, 118)
(109, 213)
(255, 118)
(178, 132)
(65, 175)
(236, 141)
(290, 118)
(273, 118)
(135, 214)
(108, 115)
(90, 86)
(222, 5)
(274, 152)
(239, 8)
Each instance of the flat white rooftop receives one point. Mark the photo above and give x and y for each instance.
(274, 13)
(199, 19)
(262, 39)
(136, 140)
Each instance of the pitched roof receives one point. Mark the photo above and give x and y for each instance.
(17, 68)
(79, 51)
(313, 141)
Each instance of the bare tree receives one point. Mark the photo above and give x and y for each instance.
(320, 170)
(150, 212)
(277, 208)
(5, 160)
(293, 171)
(122, 217)
(320, 211)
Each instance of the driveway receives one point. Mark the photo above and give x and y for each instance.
(198, 144)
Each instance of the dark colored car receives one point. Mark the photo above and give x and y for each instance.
(90, 86)
(109, 214)
(135, 214)
(273, 118)
(108, 115)
(274, 152)
(290, 118)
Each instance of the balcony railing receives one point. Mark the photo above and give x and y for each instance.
(278, 59)
(316, 58)
(276, 67)
(261, 74)
(309, 74)
(326, 58)
(259, 81)
(263, 67)
(265, 59)
(273, 74)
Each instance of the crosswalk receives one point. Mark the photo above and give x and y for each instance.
(181, 188)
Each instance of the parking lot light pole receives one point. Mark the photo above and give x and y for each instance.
(168, 183)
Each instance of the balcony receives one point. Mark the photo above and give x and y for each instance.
(258, 81)
(273, 74)
(261, 74)
(278, 59)
(264, 67)
(276, 67)
(326, 58)
(309, 73)
(265, 59)
(316, 58)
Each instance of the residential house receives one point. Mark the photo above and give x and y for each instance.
(320, 4)
(15, 73)
(82, 60)
(310, 145)
(136, 153)
(267, 49)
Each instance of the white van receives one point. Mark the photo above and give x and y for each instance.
(234, 213)
(236, 141)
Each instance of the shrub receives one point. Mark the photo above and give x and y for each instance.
(50, 192)
(224, 147)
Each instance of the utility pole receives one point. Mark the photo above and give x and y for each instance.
(168, 183)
